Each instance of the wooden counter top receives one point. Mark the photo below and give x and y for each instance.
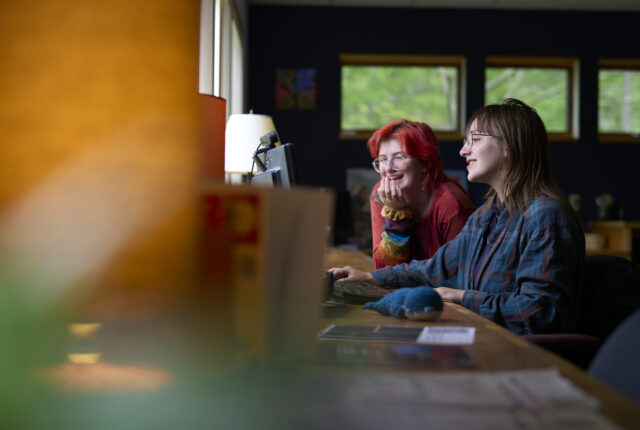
(495, 348)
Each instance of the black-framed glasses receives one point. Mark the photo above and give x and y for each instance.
(469, 142)
(396, 160)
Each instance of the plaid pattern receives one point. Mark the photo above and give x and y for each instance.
(531, 278)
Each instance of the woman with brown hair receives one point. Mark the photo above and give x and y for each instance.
(519, 259)
(415, 207)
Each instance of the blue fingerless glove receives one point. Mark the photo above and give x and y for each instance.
(418, 303)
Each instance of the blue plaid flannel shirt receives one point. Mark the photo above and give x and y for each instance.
(530, 279)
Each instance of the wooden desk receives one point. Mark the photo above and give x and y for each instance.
(185, 373)
(337, 257)
(495, 348)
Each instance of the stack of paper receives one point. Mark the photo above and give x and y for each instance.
(529, 399)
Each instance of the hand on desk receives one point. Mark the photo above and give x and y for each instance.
(450, 294)
(349, 274)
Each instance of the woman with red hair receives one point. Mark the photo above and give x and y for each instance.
(415, 208)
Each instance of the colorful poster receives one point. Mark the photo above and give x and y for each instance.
(296, 89)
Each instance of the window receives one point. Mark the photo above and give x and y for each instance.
(207, 39)
(619, 100)
(547, 84)
(378, 89)
(222, 68)
(236, 74)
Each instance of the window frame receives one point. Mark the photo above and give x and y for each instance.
(457, 61)
(616, 64)
(571, 64)
(222, 67)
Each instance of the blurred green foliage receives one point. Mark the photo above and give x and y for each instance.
(619, 101)
(373, 96)
(31, 339)
(546, 90)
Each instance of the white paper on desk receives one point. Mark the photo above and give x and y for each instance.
(447, 335)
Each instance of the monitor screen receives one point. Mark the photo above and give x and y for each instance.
(280, 167)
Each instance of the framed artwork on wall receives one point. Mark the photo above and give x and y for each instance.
(295, 89)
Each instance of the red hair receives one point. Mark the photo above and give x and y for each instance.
(417, 140)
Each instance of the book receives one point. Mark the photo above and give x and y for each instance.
(266, 247)
(370, 333)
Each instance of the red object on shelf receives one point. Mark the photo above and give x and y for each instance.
(214, 118)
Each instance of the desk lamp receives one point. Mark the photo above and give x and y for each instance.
(242, 138)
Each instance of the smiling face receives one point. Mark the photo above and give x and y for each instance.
(409, 173)
(484, 155)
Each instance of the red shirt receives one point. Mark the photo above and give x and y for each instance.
(396, 242)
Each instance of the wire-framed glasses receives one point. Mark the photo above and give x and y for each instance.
(468, 142)
(395, 161)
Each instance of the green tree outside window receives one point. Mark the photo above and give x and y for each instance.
(373, 96)
(545, 89)
(619, 101)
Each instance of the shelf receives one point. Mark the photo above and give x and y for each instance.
(615, 252)
(618, 237)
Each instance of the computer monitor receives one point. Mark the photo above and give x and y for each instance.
(279, 167)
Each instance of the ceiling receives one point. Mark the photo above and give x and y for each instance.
(583, 5)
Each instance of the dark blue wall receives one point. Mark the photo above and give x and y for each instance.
(292, 37)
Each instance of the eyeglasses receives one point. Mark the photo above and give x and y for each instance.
(469, 143)
(396, 160)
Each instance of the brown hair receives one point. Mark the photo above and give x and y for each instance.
(527, 166)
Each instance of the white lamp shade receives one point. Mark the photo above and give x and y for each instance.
(242, 137)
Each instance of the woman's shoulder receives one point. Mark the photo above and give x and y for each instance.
(550, 211)
(545, 206)
(549, 216)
